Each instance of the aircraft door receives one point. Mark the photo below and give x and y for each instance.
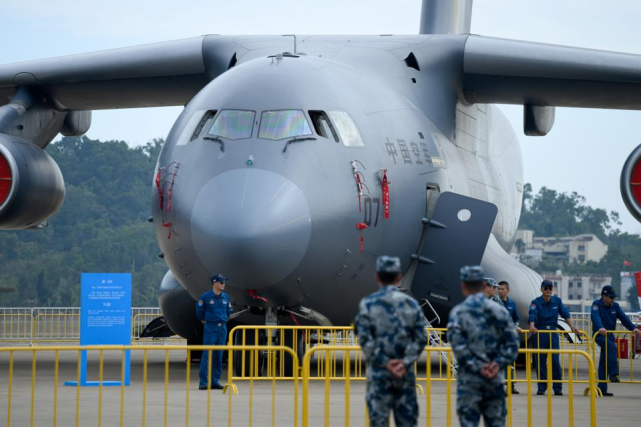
(432, 193)
(455, 233)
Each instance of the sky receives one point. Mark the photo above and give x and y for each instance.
(584, 152)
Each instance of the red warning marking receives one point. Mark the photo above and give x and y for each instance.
(167, 225)
(6, 179)
(635, 180)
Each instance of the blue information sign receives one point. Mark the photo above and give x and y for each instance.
(105, 317)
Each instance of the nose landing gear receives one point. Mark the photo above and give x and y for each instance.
(268, 363)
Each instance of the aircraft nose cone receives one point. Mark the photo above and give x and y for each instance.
(252, 226)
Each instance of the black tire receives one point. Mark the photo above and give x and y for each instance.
(249, 356)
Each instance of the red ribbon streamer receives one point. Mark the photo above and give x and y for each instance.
(362, 226)
(360, 191)
(253, 293)
(294, 319)
(171, 189)
(159, 189)
(385, 185)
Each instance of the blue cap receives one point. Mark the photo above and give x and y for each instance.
(218, 278)
(472, 273)
(609, 291)
(547, 283)
(491, 282)
(388, 264)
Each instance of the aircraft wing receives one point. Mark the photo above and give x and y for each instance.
(516, 72)
(161, 74)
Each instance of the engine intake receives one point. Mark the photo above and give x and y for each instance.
(31, 185)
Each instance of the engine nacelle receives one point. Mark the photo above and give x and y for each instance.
(631, 183)
(179, 308)
(31, 185)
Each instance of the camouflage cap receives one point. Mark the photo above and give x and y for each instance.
(388, 264)
(472, 273)
(491, 282)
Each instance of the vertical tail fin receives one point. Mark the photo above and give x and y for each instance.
(446, 16)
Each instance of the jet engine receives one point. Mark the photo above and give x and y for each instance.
(31, 185)
(179, 308)
(631, 183)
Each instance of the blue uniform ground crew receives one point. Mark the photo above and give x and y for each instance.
(485, 342)
(544, 315)
(604, 314)
(510, 306)
(391, 331)
(213, 309)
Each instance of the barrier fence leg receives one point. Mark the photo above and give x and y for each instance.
(509, 386)
(570, 394)
(528, 379)
(549, 384)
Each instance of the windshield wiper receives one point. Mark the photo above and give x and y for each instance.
(216, 138)
(298, 139)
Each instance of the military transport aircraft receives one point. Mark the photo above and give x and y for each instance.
(298, 160)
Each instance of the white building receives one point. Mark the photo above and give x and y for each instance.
(582, 248)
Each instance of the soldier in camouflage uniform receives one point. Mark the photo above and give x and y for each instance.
(490, 289)
(484, 341)
(391, 331)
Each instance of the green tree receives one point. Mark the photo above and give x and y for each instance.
(101, 227)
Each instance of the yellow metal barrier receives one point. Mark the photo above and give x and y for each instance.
(617, 340)
(580, 342)
(157, 395)
(302, 339)
(268, 364)
(56, 327)
(16, 327)
(62, 324)
(428, 383)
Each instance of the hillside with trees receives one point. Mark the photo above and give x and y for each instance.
(552, 214)
(102, 227)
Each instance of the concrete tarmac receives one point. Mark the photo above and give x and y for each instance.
(176, 400)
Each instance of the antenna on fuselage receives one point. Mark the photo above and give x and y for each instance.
(292, 35)
(446, 17)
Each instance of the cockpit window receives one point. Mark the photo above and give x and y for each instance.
(347, 129)
(323, 125)
(233, 124)
(281, 124)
